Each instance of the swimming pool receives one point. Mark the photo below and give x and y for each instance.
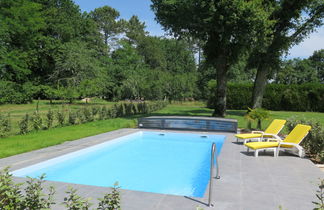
(168, 163)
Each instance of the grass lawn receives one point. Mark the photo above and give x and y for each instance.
(23, 143)
(35, 140)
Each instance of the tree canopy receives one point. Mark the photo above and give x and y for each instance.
(227, 28)
(50, 49)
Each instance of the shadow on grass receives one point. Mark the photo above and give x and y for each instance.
(236, 112)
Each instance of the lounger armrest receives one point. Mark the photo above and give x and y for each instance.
(291, 144)
(258, 132)
(275, 139)
(288, 143)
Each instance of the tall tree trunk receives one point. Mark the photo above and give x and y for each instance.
(221, 69)
(259, 86)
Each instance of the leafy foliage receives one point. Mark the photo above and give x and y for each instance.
(257, 114)
(110, 201)
(73, 201)
(36, 121)
(49, 119)
(33, 197)
(320, 196)
(24, 125)
(5, 125)
(305, 97)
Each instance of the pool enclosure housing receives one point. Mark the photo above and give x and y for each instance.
(188, 123)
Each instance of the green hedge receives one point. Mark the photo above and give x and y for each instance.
(306, 97)
(65, 117)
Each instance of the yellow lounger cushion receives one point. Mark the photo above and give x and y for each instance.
(264, 145)
(248, 135)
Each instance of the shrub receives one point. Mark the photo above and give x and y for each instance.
(24, 125)
(87, 115)
(314, 141)
(305, 97)
(110, 201)
(49, 119)
(257, 114)
(80, 116)
(35, 198)
(60, 115)
(129, 109)
(112, 112)
(5, 125)
(10, 194)
(72, 119)
(103, 113)
(11, 197)
(73, 201)
(95, 110)
(135, 108)
(36, 121)
(320, 196)
(121, 109)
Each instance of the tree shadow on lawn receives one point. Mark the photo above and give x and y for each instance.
(193, 112)
(236, 112)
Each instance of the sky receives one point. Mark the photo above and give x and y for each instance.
(141, 8)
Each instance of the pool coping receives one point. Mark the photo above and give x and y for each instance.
(241, 177)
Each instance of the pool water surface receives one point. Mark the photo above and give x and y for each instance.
(168, 163)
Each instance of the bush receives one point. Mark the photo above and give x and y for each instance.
(257, 114)
(10, 194)
(60, 115)
(49, 119)
(103, 113)
(314, 141)
(305, 97)
(95, 110)
(80, 116)
(24, 125)
(36, 121)
(5, 125)
(112, 112)
(87, 115)
(72, 118)
(33, 197)
(110, 201)
(11, 197)
(73, 201)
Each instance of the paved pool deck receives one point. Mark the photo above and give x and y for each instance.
(247, 183)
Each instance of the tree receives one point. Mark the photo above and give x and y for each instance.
(74, 63)
(296, 71)
(135, 30)
(21, 22)
(106, 18)
(228, 29)
(317, 62)
(294, 20)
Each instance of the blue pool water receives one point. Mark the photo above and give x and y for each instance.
(168, 163)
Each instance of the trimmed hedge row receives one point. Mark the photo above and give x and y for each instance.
(64, 117)
(305, 97)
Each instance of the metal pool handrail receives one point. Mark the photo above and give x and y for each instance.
(213, 156)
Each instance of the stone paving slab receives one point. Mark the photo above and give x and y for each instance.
(246, 183)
